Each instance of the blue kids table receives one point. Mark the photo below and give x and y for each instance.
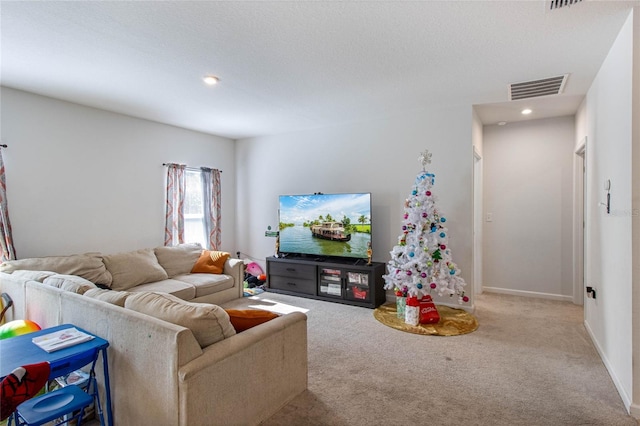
(20, 350)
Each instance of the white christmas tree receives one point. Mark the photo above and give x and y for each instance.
(422, 263)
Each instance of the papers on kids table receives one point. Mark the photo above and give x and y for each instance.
(61, 339)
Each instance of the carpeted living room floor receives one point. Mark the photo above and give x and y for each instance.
(530, 362)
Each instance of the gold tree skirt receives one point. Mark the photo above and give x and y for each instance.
(453, 322)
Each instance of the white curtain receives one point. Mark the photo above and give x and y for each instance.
(174, 213)
(211, 206)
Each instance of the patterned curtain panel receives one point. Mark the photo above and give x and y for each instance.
(212, 209)
(6, 240)
(174, 216)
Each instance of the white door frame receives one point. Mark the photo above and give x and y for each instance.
(477, 222)
(579, 188)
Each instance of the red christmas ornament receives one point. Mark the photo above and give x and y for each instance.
(442, 246)
(465, 299)
(428, 193)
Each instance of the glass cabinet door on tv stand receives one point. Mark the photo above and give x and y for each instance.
(330, 282)
(357, 286)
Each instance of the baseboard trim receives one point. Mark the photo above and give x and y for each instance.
(633, 410)
(528, 294)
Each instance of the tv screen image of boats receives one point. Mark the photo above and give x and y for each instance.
(333, 225)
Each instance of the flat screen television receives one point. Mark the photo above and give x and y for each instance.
(325, 225)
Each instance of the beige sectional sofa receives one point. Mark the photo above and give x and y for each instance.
(171, 361)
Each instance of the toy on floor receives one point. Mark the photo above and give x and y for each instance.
(248, 292)
(254, 276)
(254, 280)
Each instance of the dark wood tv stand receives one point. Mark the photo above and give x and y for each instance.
(343, 281)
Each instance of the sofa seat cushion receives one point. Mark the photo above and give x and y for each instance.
(208, 323)
(88, 266)
(180, 289)
(133, 268)
(72, 283)
(178, 259)
(110, 296)
(206, 284)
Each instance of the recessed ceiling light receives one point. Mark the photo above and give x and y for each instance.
(526, 111)
(501, 123)
(210, 79)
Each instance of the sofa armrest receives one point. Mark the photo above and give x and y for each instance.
(235, 268)
(270, 359)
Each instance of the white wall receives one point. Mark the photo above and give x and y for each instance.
(81, 179)
(528, 182)
(635, 214)
(380, 157)
(608, 129)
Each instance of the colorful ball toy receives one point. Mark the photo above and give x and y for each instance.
(17, 328)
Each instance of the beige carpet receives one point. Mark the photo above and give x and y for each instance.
(530, 362)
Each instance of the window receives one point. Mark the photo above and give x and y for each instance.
(193, 209)
(193, 212)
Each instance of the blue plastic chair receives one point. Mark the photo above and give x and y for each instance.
(63, 402)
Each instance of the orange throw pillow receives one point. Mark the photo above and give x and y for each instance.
(245, 319)
(210, 262)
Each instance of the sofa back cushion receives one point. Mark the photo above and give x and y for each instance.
(208, 323)
(39, 276)
(72, 283)
(110, 296)
(179, 259)
(88, 266)
(133, 268)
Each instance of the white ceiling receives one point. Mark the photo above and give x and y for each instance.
(294, 65)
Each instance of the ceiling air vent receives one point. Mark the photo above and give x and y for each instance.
(557, 4)
(535, 88)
